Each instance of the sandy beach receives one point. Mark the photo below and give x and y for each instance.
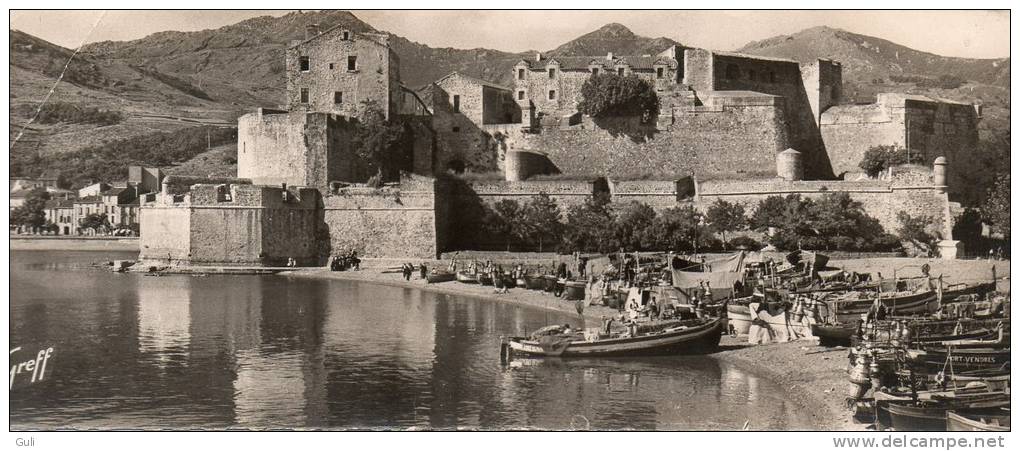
(815, 381)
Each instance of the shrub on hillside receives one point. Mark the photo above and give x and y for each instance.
(612, 95)
(880, 158)
(70, 113)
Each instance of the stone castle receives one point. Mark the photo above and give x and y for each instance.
(730, 126)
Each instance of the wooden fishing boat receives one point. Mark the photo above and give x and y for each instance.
(467, 277)
(485, 279)
(440, 276)
(573, 290)
(521, 282)
(932, 416)
(965, 421)
(533, 282)
(697, 336)
(549, 282)
(739, 315)
(933, 360)
(509, 281)
(834, 334)
(842, 310)
(953, 292)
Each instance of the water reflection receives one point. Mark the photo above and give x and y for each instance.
(274, 352)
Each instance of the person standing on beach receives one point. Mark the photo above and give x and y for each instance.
(424, 270)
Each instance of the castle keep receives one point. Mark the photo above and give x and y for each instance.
(754, 126)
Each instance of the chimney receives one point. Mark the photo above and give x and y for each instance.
(311, 30)
(609, 56)
(538, 56)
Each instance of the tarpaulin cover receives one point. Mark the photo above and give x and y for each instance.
(717, 279)
(733, 263)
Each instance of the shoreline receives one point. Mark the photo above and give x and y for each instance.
(815, 383)
(61, 243)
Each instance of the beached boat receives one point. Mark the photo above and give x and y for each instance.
(933, 360)
(964, 421)
(932, 416)
(697, 336)
(467, 277)
(534, 282)
(485, 279)
(573, 290)
(834, 334)
(953, 292)
(848, 310)
(440, 276)
(549, 283)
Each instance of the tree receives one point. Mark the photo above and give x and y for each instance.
(94, 221)
(590, 226)
(612, 95)
(633, 226)
(918, 230)
(507, 221)
(380, 141)
(833, 222)
(679, 229)
(726, 217)
(880, 158)
(31, 213)
(542, 217)
(996, 206)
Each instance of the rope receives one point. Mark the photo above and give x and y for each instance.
(60, 78)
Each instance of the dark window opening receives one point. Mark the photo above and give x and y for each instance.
(330, 66)
(520, 74)
(347, 35)
(456, 104)
(305, 64)
(595, 71)
(456, 129)
(352, 63)
(620, 71)
(520, 95)
(732, 72)
(304, 95)
(338, 97)
(659, 72)
(552, 94)
(552, 73)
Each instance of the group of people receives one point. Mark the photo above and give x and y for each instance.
(349, 260)
(407, 269)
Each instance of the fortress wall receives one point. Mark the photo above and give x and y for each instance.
(880, 199)
(271, 148)
(165, 233)
(386, 222)
(659, 194)
(729, 140)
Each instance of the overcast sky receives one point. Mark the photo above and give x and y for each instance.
(973, 34)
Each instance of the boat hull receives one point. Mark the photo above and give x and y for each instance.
(573, 291)
(696, 340)
(833, 334)
(466, 278)
(439, 277)
(969, 422)
(934, 360)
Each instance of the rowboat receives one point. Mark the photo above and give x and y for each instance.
(843, 310)
(953, 292)
(573, 290)
(521, 282)
(697, 336)
(934, 360)
(485, 279)
(440, 276)
(534, 282)
(932, 416)
(549, 282)
(833, 334)
(977, 422)
(466, 277)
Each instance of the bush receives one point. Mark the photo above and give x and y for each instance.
(612, 95)
(69, 113)
(880, 158)
(744, 243)
(834, 222)
(996, 206)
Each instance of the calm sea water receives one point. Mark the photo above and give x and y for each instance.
(183, 352)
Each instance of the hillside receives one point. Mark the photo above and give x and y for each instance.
(172, 80)
(866, 57)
